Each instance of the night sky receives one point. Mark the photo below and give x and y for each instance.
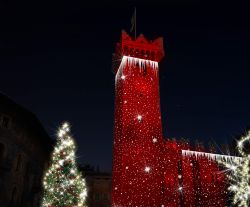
(55, 60)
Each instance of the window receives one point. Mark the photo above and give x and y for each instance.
(136, 52)
(5, 122)
(13, 196)
(2, 152)
(105, 196)
(27, 169)
(18, 162)
(97, 196)
(152, 55)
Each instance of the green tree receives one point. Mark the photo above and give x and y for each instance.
(63, 182)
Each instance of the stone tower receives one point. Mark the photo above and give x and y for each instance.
(137, 172)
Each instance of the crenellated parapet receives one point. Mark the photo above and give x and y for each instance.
(138, 48)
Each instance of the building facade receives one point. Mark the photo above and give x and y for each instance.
(149, 170)
(98, 186)
(24, 154)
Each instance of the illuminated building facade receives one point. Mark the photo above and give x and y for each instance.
(149, 171)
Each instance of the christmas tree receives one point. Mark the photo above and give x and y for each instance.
(239, 173)
(63, 183)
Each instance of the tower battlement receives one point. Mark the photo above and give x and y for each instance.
(138, 48)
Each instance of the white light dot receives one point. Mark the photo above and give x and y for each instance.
(65, 125)
(233, 167)
(147, 169)
(139, 117)
(154, 140)
(123, 77)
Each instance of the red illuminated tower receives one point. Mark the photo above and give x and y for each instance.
(137, 172)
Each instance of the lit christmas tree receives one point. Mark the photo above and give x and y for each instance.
(239, 174)
(63, 183)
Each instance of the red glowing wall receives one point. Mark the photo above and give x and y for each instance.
(191, 181)
(147, 170)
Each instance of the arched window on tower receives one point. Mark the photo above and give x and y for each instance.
(142, 54)
(131, 53)
(153, 56)
(136, 52)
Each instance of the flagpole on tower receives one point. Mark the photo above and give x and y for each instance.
(133, 23)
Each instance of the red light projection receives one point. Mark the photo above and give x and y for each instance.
(149, 171)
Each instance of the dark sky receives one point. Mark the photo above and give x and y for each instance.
(55, 59)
